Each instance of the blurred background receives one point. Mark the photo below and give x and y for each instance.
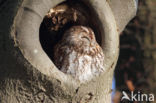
(136, 68)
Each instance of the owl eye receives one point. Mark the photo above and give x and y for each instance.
(84, 37)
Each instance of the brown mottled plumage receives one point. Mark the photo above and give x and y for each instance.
(78, 54)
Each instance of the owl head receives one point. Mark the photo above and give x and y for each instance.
(79, 36)
(81, 39)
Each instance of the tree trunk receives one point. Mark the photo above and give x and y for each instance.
(137, 60)
(28, 77)
(147, 39)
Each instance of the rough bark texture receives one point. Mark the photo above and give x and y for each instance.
(23, 80)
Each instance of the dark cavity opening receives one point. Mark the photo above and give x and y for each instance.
(65, 15)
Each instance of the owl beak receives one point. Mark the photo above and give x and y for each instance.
(91, 36)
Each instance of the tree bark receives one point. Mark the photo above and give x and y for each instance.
(138, 42)
(27, 77)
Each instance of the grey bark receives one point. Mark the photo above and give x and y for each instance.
(28, 77)
(124, 11)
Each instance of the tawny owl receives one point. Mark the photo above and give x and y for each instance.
(79, 55)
